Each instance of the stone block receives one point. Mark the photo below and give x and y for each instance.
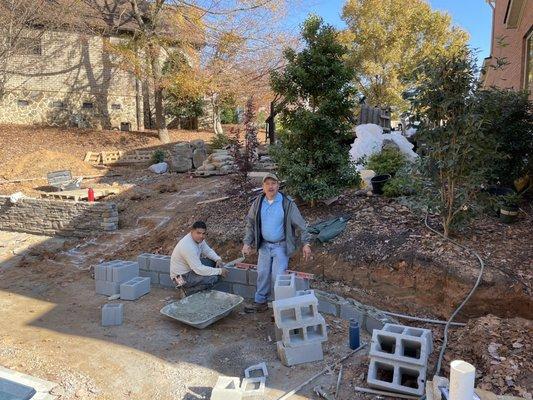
(107, 288)
(246, 291)
(165, 281)
(310, 332)
(227, 388)
(160, 263)
(237, 275)
(295, 311)
(112, 314)
(290, 356)
(125, 271)
(253, 388)
(285, 286)
(154, 276)
(134, 288)
(199, 155)
(223, 286)
(396, 376)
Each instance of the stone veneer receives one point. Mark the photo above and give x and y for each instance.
(57, 217)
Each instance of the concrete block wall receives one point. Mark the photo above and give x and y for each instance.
(110, 275)
(57, 217)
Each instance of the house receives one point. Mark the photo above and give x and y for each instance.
(510, 64)
(65, 70)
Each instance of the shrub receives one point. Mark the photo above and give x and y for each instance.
(158, 156)
(220, 140)
(388, 161)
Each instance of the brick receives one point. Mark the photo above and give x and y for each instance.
(285, 286)
(237, 275)
(112, 314)
(222, 286)
(295, 311)
(290, 356)
(253, 387)
(246, 291)
(396, 376)
(144, 260)
(154, 276)
(165, 281)
(227, 388)
(160, 263)
(107, 288)
(134, 288)
(125, 271)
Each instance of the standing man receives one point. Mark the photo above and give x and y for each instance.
(272, 225)
(188, 270)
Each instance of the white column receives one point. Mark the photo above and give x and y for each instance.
(462, 376)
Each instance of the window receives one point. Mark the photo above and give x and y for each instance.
(23, 103)
(528, 81)
(87, 105)
(28, 46)
(58, 104)
(116, 106)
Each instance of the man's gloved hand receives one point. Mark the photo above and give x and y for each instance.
(224, 272)
(220, 263)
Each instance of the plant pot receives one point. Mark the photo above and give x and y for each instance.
(508, 213)
(378, 182)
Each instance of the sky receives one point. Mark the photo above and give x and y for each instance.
(474, 16)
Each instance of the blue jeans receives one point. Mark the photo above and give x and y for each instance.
(272, 262)
(196, 283)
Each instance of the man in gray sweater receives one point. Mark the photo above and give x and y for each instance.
(273, 225)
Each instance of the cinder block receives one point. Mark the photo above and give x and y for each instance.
(285, 286)
(253, 387)
(227, 388)
(165, 281)
(252, 277)
(112, 314)
(134, 288)
(353, 310)
(375, 319)
(298, 355)
(302, 283)
(246, 291)
(237, 275)
(256, 371)
(144, 260)
(295, 311)
(109, 269)
(396, 376)
(311, 332)
(329, 303)
(223, 286)
(160, 263)
(400, 347)
(305, 292)
(107, 288)
(154, 276)
(125, 271)
(410, 331)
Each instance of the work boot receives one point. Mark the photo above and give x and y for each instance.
(256, 307)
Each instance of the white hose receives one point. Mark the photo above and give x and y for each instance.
(431, 321)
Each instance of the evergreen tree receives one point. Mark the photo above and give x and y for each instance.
(312, 155)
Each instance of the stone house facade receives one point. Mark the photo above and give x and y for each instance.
(511, 46)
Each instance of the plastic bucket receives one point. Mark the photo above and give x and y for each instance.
(378, 182)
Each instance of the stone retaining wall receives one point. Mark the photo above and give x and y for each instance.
(57, 217)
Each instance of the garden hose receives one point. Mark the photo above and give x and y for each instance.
(482, 267)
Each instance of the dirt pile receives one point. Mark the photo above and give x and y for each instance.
(500, 349)
(39, 163)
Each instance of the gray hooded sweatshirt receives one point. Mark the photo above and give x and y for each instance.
(293, 221)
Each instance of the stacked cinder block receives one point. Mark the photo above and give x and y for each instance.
(398, 359)
(300, 329)
(110, 275)
(157, 268)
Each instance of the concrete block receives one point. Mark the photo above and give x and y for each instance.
(285, 286)
(134, 288)
(246, 291)
(253, 387)
(125, 271)
(298, 355)
(399, 347)
(109, 269)
(328, 303)
(295, 311)
(353, 310)
(160, 263)
(302, 283)
(112, 314)
(410, 331)
(396, 376)
(311, 332)
(375, 319)
(165, 281)
(227, 388)
(154, 276)
(107, 288)
(237, 275)
(256, 371)
(144, 260)
(223, 286)
(304, 292)
(278, 334)
(252, 277)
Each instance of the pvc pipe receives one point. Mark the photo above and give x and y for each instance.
(432, 321)
(462, 376)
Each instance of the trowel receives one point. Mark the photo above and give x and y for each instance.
(234, 262)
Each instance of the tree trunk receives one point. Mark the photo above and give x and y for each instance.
(160, 122)
(217, 124)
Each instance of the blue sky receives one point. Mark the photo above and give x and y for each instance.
(474, 16)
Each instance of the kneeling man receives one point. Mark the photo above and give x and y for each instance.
(188, 267)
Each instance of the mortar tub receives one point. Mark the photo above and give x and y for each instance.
(15, 391)
(203, 308)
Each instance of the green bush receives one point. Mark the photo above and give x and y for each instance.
(229, 115)
(388, 161)
(406, 182)
(220, 140)
(158, 156)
